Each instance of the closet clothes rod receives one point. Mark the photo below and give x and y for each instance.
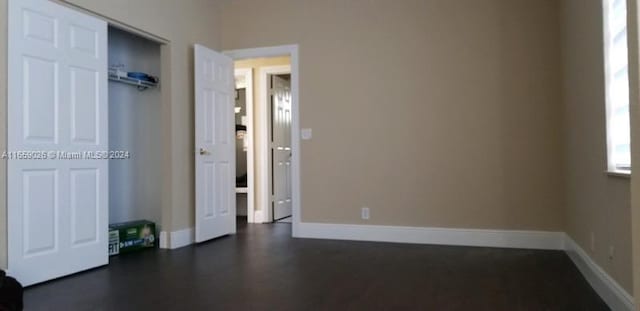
(141, 84)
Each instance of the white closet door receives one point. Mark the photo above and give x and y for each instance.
(57, 208)
(215, 144)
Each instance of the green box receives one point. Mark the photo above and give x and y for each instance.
(131, 236)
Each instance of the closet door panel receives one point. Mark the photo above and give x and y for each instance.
(57, 198)
(85, 104)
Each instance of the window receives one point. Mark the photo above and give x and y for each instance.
(617, 85)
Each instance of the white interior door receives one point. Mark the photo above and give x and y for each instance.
(215, 144)
(280, 104)
(57, 208)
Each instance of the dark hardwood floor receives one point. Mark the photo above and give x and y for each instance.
(263, 268)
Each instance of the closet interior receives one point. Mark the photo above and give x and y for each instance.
(135, 127)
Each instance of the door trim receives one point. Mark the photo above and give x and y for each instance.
(247, 73)
(114, 22)
(292, 52)
(264, 184)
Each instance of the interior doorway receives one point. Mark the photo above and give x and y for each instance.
(263, 133)
(267, 132)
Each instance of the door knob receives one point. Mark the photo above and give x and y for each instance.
(203, 151)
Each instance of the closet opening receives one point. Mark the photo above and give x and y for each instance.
(135, 133)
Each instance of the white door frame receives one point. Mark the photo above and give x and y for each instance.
(292, 52)
(247, 74)
(264, 184)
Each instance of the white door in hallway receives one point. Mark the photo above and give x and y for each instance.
(57, 105)
(280, 106)
(215, 144)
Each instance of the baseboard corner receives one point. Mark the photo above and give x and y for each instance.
(177, 239)
(616, 297)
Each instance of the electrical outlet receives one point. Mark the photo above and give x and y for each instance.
(306, 134)
(365, 213)
(612, 252)
(593, 242)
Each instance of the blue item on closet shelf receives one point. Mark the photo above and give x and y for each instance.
(138, 75)
(142, 76)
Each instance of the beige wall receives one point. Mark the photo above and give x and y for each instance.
(597, 204)
(256, 65)
(431, 113)
(182, 23)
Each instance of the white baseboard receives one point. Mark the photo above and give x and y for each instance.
(258, 217)
(609, 290)
(177, 239)
(254, 219)
(442, 236)
(417, 235)
(164, 240)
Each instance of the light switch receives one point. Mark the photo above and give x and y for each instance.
(306, 134)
